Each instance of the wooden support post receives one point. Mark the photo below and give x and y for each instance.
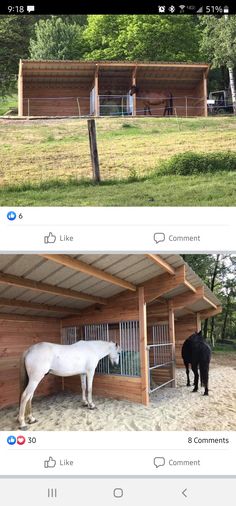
(20, 91)
(28, 107)
(78, 105)
(171, 318)
(96, 94)
(186, 107)
(143, 346)
(199, 322)
(134, 112)
(94, 150)
(205, 93)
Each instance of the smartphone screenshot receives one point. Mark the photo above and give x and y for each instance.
(117, 254)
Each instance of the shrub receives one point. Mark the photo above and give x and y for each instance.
(194, 163)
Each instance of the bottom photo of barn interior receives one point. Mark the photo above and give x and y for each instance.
(95, 342)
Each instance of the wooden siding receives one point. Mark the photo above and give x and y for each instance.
(104, 385)
(183, 329)
(15, 338)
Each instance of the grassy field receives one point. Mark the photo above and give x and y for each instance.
(48, 162)
(8, 103)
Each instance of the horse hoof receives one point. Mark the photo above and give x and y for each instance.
(194, 390)
(85, 404)
(205, 393)
(33, 421)
(188, 385)
(92, 407)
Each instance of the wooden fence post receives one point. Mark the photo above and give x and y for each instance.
(94, 150)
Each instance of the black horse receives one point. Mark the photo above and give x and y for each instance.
(197, 352)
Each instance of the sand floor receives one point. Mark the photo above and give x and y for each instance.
(170, 409)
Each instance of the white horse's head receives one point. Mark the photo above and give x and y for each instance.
(114, 354)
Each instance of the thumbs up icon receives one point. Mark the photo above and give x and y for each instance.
(50, 463)
(50, 238)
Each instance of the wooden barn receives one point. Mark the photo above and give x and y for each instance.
(147, 303)
(86, 88)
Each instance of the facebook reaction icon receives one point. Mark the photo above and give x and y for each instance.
(11, 440)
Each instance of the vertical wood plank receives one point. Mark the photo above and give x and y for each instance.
(134, 113)
(205, 93)
(20, 91)
(96, 98)
(171, 318)
(94, 150)
(199, 322)
(143, 346)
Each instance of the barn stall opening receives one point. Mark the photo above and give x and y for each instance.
(148, 304)
(80, 88)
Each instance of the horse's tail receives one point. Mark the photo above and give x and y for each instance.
(23, 375)
(171, 104)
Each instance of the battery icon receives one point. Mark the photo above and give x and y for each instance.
(226, 9)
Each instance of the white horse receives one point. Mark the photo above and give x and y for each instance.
(62, 360)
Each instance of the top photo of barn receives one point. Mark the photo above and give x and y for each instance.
(116, 110)
(79, 88)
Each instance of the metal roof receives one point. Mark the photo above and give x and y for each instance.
(133, 268)
(153, 74)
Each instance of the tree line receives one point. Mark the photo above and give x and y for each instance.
(119, 37)
(219, 273)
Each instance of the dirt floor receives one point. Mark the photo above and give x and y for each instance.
(170, 408)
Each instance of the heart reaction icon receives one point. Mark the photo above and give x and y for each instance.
(21, 440)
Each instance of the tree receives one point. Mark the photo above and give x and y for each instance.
(57, 39)
(218, 43)
(218, 272)
(142, 37)
(15, 32)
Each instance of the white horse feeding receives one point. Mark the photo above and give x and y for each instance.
(62, 360)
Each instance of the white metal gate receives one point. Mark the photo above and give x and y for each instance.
(160, 354)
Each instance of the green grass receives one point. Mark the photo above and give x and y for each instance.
(48, 162)
(203, 190)
(8, 103)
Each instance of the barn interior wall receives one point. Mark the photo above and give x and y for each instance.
(56, 99)
(183, 329)
(15, 338)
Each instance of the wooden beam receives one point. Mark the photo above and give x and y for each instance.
(187, 299)
(20, 90)
(10, 279)
(78, 265)
(34, 305)
(207, 313)
(157, 259)
(25, 318)
(199, 324)
(189, 286)
(143, 346)
(134, 96)
(97, 111)
(209, 302)
(164, 283)
(205, 92)
(171, 320)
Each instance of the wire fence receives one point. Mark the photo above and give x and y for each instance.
(111, 105)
